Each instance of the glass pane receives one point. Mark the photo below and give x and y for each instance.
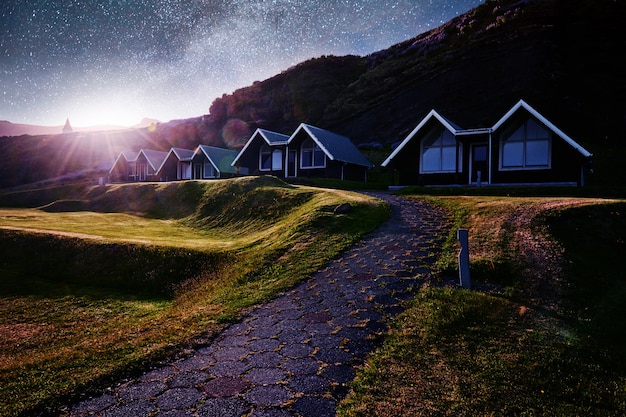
(448, 158)
(277, 159)
(537, 153)
(307, 158)
(208, 170)
(480, 153)
(512, 154)
(432, 138)
(535, 131)
(265, 161)
(431, 160)
(319, 157)
(448, 138)
(517, 135)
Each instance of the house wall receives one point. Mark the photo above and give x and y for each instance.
(201, 159)
(565, 163)
(565, 167)
(119, 173)
(406, 166)
(334, 169)
(250, 159)
(150, 174)
(169, 169)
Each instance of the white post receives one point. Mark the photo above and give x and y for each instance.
(464, 266)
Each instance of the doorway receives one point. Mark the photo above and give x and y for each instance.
(143, 171)
(291, 163)
(479, 171)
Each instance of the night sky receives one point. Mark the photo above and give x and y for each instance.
(117, 61)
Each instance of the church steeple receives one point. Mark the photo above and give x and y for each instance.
(68, 127)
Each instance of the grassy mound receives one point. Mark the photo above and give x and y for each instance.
(102, 281)
(541, 336)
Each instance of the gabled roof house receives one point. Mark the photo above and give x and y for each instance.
(263, 153)
(176, 165)
(212, 162)
(121, 170)
(522, 148)
(137, 166)
(308, 152)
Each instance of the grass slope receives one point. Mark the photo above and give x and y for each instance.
(540, 337)
(98, 284)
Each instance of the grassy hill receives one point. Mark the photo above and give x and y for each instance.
(98, 282)
(540, 333)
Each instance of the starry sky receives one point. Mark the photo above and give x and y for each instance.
(118, 61)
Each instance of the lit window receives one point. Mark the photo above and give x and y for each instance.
(439, 151)
(277, 160)
(526, 147)
(312, 155)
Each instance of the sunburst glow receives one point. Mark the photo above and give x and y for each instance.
(116, 110)
(171, 59)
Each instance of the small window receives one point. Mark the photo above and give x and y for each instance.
(440, 152)
(526, 147)
(132, 169)
(312, 155)
(277, 160)
(265, 158)
(209, 170)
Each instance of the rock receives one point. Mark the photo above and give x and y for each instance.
(343, 208)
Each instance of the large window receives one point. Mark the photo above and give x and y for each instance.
(526, 147)
(440, 152)
(270, 160)
(312, 155)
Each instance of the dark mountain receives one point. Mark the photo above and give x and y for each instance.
(563, 58)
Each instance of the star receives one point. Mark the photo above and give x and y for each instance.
(117, 61)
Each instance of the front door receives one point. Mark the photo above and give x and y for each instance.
(197, 171)
(143, 171)
(479, 173)
(291, 163)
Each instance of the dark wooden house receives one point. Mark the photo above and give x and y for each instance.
(521, 148)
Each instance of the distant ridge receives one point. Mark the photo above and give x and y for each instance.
(8, 128)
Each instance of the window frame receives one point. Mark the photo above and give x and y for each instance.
(267, 151)
(211, 170)
(524, 142)
(313, 150)
(437, 134)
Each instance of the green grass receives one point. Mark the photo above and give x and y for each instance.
(518, 346)
(91, 296)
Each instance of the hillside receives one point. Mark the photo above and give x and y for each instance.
(148, 271)
(560, 59)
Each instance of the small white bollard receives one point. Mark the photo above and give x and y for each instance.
(464, 265)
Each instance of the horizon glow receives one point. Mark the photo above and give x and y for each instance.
(121, 61)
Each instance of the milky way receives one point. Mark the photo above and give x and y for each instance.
(116, 61)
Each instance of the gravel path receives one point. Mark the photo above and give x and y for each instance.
(295, 355)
